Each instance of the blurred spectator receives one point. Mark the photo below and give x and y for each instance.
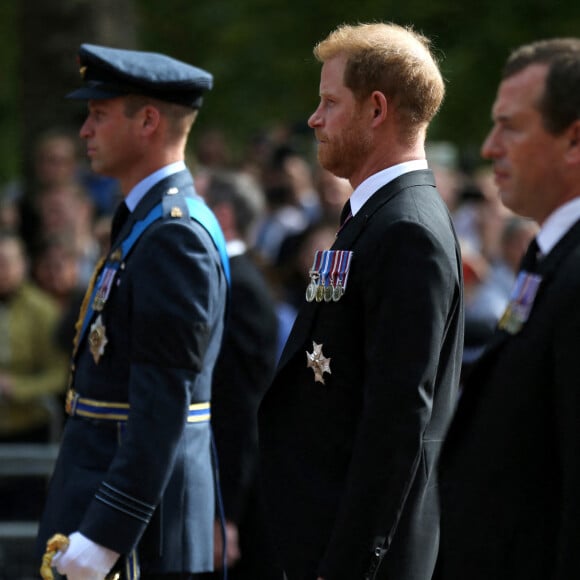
(479, 215)
(9, 212)
(488, 300)
(32, 374)
(476, 269)
(212, 150)
(493, 294)
(243, 372)
(56, 163)
(443, 159)
(32, 368)
(67, 210)
(102, 233)
(55, 269)
(257, 152)
(290, 206)
(302, 182)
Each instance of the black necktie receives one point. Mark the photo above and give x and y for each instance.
(530, 259)
(120, 217)
(345, 213)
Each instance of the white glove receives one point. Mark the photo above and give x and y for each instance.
(84, 560)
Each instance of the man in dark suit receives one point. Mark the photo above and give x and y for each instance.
(134, 485)
(510, 466)
(242, 374)
(351, 426)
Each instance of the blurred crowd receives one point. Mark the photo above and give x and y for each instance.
(54, 225)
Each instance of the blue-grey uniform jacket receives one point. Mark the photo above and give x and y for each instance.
(148, 483)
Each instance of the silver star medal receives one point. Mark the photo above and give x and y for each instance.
(316, 361)
(97, 339)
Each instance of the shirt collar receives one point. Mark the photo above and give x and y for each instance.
(558, 224)
(373, 183)
(139, 191)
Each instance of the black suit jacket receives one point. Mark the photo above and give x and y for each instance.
(243, 372)
(510, 467)
(164, 323)
(352, 460)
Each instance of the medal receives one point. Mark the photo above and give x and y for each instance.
(316, 361)
(319, 293)
(97, 339)
(104, 288)
(520, 303)
(344, 261)
(328, 293)
(310, 291)
(314, 273)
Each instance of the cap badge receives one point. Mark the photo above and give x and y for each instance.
(316, 361)
(83, 71)
(176, 212)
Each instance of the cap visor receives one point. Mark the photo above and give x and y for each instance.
(96, 93)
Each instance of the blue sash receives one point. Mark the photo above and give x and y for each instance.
(198, 210)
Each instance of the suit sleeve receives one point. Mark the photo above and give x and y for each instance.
(174, 286)
(410, 286)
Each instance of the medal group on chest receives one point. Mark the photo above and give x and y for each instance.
(328, 275)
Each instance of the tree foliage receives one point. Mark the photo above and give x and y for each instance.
(260, 52)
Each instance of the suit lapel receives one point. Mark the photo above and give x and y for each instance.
(346, 240)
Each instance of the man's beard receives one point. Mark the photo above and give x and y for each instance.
(346, 153)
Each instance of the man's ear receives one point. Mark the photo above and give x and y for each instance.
(150, 118)
(380, 108)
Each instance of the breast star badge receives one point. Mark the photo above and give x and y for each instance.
(97, 339)
(316, 361)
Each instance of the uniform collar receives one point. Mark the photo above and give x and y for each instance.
(139, 191)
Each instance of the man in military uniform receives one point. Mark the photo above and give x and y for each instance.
(133, 486)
